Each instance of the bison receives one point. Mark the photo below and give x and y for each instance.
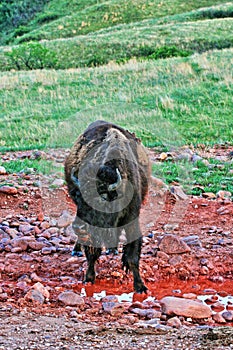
(107, 174)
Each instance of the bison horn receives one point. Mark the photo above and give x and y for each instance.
(114, 187)
(74, 178)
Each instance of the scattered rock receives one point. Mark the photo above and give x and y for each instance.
(171, 244)
(209, 195)
(113, 308)
(185, 307)
(174, 322)
(42, 289)
(48, 250)
(2, 170)
(178, 193)
(65, 219)
(8, 189)
(218, 318)
(34, 296)
(228, 316)
(71, 299)
(223, 194)
(193, 240)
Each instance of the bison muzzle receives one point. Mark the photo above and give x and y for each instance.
(107, 174)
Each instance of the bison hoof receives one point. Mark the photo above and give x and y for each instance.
(140, 288)
(77, 253)
(89, 278)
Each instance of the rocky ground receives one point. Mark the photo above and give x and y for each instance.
(186, 264)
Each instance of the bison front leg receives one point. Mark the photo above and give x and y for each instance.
(130, 260)
(92, 254)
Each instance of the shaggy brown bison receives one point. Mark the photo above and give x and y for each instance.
(107, 174)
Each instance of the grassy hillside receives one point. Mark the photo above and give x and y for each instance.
(62, 19)
(50, 108)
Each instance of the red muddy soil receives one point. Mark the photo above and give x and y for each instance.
(206, 269)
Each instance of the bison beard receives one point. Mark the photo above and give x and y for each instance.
(107, 174)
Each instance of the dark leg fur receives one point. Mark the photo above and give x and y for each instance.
(92, 254)
(130, 260)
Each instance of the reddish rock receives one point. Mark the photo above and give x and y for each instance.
(185, 307)
(217, 307)
(218, 318)
(191, 296)
(35, 245)
(172, 244)
(174, 322)
(8, 190)
(113, 308)
(70, 298)
(21, 243)
(42, 289)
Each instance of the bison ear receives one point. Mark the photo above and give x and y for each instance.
(74, 179)
(116, 185)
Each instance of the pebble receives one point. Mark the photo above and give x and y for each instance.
(42, 289)
(70, 299)
(193, 240)
(147, 313)
(172, 244)
(228, 316)
(174, 322)
(223, 194)
(218, 318)
(2, 170)
(8, 190)
(48, 250)
(113, 308)
(34, 296)
(65, 219)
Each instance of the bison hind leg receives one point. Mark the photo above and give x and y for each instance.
(92, 254)
(130, 260)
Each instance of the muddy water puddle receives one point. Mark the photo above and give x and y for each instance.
(219, 296)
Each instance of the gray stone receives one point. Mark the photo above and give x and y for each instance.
(113, 308)
(34, 296)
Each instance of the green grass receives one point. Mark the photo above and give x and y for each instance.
(212, 178)
(65, 19)
(142, 42)
(29, 166)
(188, 98)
